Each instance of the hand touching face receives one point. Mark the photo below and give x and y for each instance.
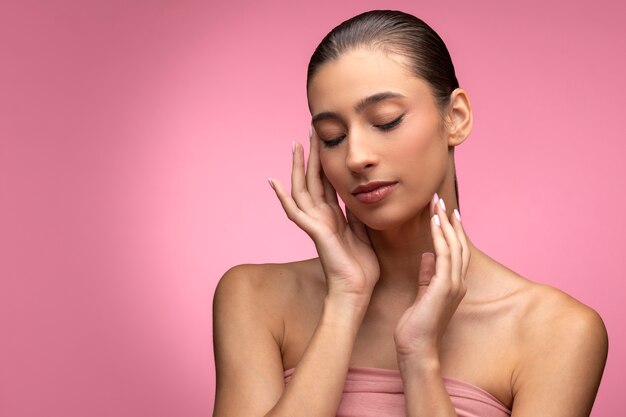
(378, 123)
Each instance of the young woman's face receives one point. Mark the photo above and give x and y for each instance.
(378, 122)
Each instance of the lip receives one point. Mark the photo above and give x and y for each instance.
(374, 191)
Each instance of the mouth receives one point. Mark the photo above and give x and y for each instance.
(374, 191)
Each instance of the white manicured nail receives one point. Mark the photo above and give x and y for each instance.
(443, 205)
(437, 220)
(457, 214)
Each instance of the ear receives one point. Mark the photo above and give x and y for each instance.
(459, 117)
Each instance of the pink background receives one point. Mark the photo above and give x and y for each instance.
(137, 136)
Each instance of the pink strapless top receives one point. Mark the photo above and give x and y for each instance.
(379, 392)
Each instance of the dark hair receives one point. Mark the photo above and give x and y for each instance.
(393, 31)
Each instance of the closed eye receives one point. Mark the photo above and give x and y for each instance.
(387, 126)
(333, 142)
(391, 125)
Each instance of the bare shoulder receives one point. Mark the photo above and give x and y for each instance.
(538, 311)
(562, 340)
(276, 281)
(552, 341)
(551, 314)
(267, 290)
(545, 316)
(249, 310)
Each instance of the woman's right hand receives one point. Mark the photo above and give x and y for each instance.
(342, 242)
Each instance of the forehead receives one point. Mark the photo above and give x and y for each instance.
(341, 83)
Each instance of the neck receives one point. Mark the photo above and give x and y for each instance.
(399, 251)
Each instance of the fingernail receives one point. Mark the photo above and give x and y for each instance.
(443, 205)
(293, 146)
(437, 220)
(457, 214)
(435, 198)
(271, 182)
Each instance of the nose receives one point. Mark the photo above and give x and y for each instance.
(361, 155)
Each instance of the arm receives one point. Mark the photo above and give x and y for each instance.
(250, 381)
(250, 373)
(566, 350)
(316, 387)
(425, 393)
(419, 331)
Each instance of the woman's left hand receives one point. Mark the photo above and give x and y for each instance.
(441, 289)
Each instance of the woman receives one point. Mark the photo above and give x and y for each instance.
(401, 314)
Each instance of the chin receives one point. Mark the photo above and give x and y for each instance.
(384, 218)
(383, 225)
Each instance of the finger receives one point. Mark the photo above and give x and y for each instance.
(454, 245)
(299, 192)
(313, 169)
(357, 227)
(433, 202)
(427, 270)
(291, 208)
(460, 231)
(330, 195)
(442, 253)
(426, 273)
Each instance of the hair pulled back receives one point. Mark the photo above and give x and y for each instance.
(393, 31)
(396, 32)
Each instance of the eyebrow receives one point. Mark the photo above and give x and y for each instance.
(361, 105)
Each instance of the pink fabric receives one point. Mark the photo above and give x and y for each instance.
(379, 392)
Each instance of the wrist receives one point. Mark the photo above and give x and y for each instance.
(345, 309)
(419, 364)
(422, 350)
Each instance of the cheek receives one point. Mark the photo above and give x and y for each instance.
(334, 169)
(329, 167)
(422, 155)
(418, 152)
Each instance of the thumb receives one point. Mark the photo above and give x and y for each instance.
(357, 226)
(426, 273)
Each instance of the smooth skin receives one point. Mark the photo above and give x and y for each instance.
(398, 284)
